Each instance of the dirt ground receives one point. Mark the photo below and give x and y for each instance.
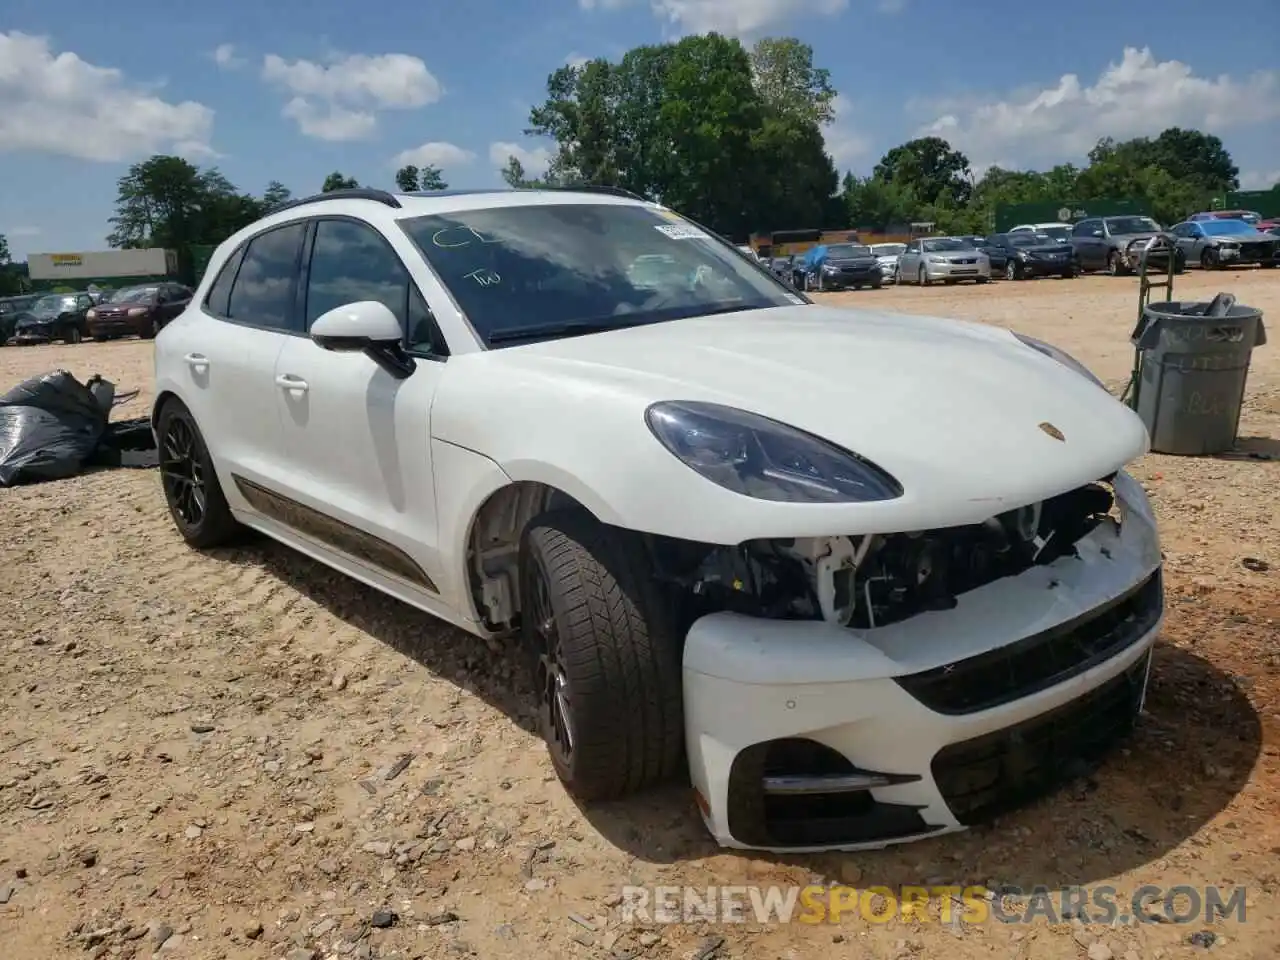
(205, 755)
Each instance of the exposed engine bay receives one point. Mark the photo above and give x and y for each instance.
(878, 579)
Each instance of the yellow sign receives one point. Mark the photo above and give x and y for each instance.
(66, 259)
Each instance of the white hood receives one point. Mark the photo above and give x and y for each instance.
(951, 409)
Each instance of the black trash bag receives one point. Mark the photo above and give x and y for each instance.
(50, 427)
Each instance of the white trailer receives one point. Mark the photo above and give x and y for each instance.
(110, 267)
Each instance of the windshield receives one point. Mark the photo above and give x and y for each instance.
(843, 251)
(1024, 239)
(889, 249)
(603, 265)
(132, 295)
(51, 306)
(946, 245)
(1248, 216)
(1055, 233)
(1226, 228)
(1132, 225)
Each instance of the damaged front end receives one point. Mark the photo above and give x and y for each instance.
(877, 579)
(849, 692)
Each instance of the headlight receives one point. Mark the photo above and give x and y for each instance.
(1064, 358)
(91, 314)
(937, 259)
(764, 459)
(137, 311)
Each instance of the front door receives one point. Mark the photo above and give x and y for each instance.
(358, 439)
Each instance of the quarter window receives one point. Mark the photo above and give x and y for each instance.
(262, 295)
(220, 293)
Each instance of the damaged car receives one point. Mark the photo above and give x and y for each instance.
(1218, 244)
(861, 577)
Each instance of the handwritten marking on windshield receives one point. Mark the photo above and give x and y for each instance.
(486, 278)
(451, 238)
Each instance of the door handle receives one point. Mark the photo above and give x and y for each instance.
(287, 381)
(197, 361)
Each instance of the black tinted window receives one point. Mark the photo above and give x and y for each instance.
(350, 262)
(220, 293)
(263, 292)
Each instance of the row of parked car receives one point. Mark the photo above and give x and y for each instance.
(1113, 244)
(139, 311)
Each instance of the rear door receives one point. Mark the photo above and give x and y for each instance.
(1089, 245)
(230, 352)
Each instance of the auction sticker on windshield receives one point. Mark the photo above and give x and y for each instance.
(677, 231)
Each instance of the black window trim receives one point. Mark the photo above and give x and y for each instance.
(305, 273)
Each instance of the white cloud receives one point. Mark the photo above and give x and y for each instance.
(739, 17)
(434, 154)
(59, 103)
(340, 99)
(224, 55)
(1139, 96)
(844, 143)
(12, 232)
(535, 161)
(330, 122)
(576, 60)
(1259, 179)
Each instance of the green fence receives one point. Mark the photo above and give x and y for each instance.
(200, 256)
(1265, 202)
(1066, 211)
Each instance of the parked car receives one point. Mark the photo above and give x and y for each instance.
(1272, 229)
(841, 266)
(1054, 230)
(11, 308)
(1225, 243)
(1116, 244)
(818, 595)
(54, 316)
(995, 255)
(1250, 217)
(946, 259)
(780, 267)
(140, 311)
(887, 255)
(1027, 255)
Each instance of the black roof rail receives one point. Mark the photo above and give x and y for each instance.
(354, 193)
(595, 188)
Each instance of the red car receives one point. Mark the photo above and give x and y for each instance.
(142, 310)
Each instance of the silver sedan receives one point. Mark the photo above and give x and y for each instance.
(943, 259)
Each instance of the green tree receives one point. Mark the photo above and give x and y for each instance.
(431, 178)
(407, 178)
(929, 167)
(169, 202)
(514, 176)
(789, 83)
(10, 282)
(275, 194)
(1198, 159)
(336, 181)
(684, 123)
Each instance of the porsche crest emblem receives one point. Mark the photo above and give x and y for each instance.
(1052, 431)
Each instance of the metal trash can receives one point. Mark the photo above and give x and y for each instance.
(1191, 363)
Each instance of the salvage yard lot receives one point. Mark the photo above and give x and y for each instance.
(209, 750)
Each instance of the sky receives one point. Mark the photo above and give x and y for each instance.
(290, 91)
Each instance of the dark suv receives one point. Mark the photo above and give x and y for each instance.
(11, 308)
(142, 310)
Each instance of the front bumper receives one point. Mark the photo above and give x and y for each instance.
(958, 271)
(956, 716)
(849, 277)
(1260, 252)
(117, 326)
(1044, 267)
(27, 335)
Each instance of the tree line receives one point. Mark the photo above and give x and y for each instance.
(729, 135)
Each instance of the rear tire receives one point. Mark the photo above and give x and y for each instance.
(72, 336)
(191, 488)
(605, 656)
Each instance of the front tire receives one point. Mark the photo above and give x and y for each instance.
(191, 488)
(605, 654)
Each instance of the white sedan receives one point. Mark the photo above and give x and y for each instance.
(865, 577)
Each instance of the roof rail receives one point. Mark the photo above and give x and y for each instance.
(595, 188)
(353, 193)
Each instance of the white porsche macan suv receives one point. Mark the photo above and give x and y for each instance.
(869, 577)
